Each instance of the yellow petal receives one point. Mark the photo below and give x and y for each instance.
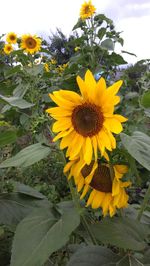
(80, 184)
(66, 141)
(85, 190)
(120, 118)
(76, 145)
(91, 85)
(100, 89)
(82, 87)
(87, 150)
(114, 88)
(59, 112)
(115, 187)
(61, 101)
(62, 134)
(103, 136)
(71, 96)
(113, 125)
(62, 124)
(106, 202)
(94, 142)
(97, 200)
(90, 199)
(68, 166)
(121, 168)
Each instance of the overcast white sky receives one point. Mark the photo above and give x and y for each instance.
(43, 16)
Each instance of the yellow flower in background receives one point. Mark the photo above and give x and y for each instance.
(77, 48)
(8, 48)
(11, 38)
(87, 10)
(85, 122)
(60, 69)
(46, 66)
(30, 44)
(53, 61)
(105, 192)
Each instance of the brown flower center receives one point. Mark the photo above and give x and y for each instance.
(87, 119)
(101, 180)
(87, 10)
(30, 43)
(12, 37)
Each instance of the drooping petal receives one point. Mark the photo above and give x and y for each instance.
(87, 150)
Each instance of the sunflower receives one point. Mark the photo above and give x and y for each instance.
(31, 44)
(8, 48)
(107, 191)
(87, 10)
(11, 37)
(86, 122)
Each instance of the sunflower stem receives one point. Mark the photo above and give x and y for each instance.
(144, 203)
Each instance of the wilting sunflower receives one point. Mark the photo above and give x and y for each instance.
(86, 122)
(30, 44)
(11, 37)
(87, 10)
(8, 48)
(107, 191)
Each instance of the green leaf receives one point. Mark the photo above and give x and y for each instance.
(145, 99)
(138, 145)
(14, 207)
(125, 52)
(117, 59)
(17, 102)
(27, 156)
(7, 137)
(101, 33)
(40, 234)
(80, 23)
(27, 190)
(108, 44)
(94, 256)
(121, 232)
(11, 71)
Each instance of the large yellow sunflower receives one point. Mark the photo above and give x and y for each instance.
(86, 122)
(8, 48)
(87, 10)
(30, 44)
(11, 37)
(107, 191)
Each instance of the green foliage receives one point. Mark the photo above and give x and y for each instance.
(27, 156)
(138, 145)
(42, 233)
(121, 232)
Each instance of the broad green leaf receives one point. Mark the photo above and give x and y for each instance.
(40, 234)
(26, 190)
(101, 33)
(108, 44)
(7, 137)
(35, 70)
(138, 145)
(94, 256)
(15, 206)
(145, 99)
(17, 102)
(20, 90)
(121, 232)
(11, 71)
(27, 156)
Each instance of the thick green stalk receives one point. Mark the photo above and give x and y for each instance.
(144, 203)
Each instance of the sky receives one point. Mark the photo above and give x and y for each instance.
(131, 17)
